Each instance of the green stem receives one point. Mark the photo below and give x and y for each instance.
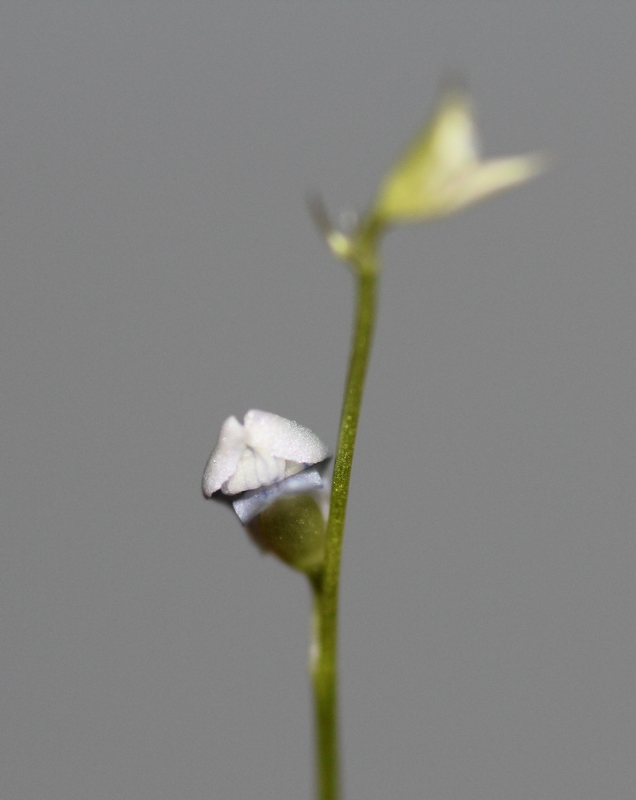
(325, 709)
(323, 654)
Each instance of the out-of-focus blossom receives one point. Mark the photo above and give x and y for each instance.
(441, 171)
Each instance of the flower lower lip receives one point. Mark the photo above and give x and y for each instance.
(251, 503)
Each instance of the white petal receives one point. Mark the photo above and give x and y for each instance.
(496, 175)
(225, 456)
(253, 471)
(283, 438)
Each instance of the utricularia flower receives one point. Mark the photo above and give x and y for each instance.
(269, 468)
(441, 171)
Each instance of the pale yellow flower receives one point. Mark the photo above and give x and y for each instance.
(441, 172)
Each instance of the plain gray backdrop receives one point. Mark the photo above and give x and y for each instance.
(159, 272)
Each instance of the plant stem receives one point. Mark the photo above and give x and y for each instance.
(325, 709)
(324, 643)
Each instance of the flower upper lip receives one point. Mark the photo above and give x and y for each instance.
(263, 450)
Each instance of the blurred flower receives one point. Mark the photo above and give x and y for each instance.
(441, 172)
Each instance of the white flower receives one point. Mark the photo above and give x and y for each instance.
(263, 450)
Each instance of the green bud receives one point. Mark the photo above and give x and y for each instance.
(292, 528)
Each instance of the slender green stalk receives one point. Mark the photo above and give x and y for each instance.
(324, 643)
(325, 709)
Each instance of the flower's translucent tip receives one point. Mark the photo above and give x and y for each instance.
(319, 214)
(339, 244)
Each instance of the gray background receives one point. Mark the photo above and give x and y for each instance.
(160, 272)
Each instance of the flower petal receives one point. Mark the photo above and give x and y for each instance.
(255, 469)
(225, 456)
(492, 177)
(283, 438)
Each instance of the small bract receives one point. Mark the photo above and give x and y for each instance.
(263, 450)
